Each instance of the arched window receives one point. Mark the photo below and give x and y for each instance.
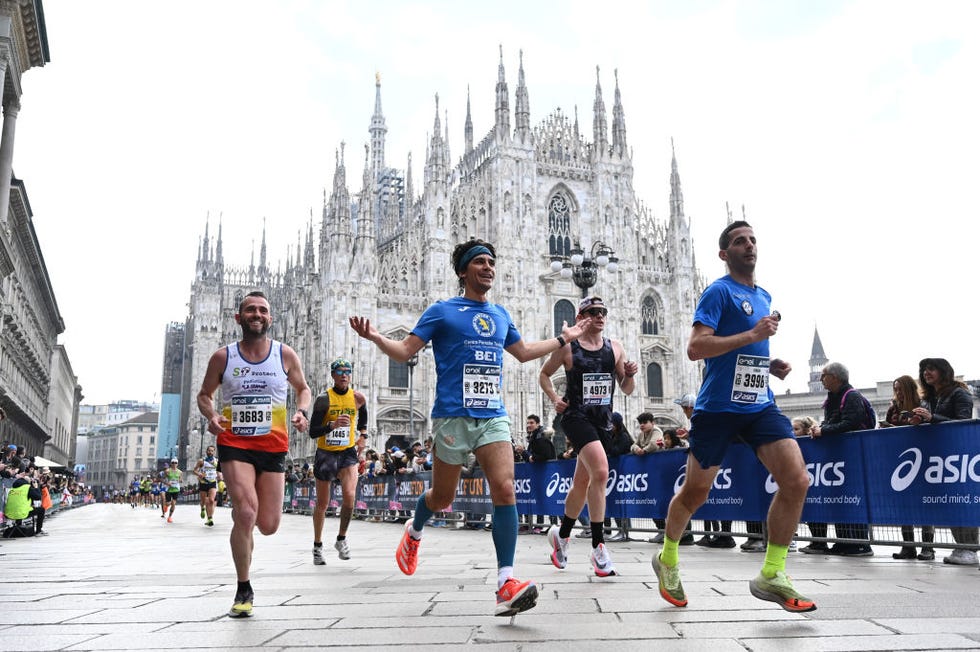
(564, 312)
(559, 240)
(655, 381)
(397, 374)
(648, 317)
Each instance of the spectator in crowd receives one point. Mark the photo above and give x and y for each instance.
(540, 449)
(843, 412)
(905, 398)
(619, 442)
(650, 439)
(946, 399)
(803, 426)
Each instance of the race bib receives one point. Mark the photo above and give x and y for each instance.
(481, 386)
(210, 474)
(251, 415)
(751, 382)
(597, 389)
(339, 436)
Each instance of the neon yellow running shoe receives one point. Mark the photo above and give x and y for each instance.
(671, 589)
(780, 590)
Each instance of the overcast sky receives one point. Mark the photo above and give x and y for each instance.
(848, 130)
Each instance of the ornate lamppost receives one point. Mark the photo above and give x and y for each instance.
(411, 362)
(583, 266)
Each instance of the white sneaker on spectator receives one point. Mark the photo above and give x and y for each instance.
(961, 557)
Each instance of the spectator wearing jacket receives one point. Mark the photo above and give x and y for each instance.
(843, 412)
(946, 399)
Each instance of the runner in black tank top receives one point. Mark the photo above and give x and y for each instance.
(593, 366)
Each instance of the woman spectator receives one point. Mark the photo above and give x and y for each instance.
(946, 399)
(905, 399)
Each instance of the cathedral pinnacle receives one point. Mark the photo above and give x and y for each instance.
(502, 107)
(468, 127)
(619, 121)
(522, 111)
(600, 140)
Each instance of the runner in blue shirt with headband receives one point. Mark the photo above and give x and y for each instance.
(469, 336)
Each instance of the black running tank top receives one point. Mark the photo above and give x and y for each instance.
(590, 384)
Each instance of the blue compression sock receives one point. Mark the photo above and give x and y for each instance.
(505, 533)
(422, 514)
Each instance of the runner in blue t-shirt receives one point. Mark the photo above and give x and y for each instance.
(732, 326)
(469, 336)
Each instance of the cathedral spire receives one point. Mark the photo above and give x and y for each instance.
(437, 160)
(817, 361)
(676, 196)
(600, 140)
(263, 270)
(310, 251)
(502, 109)
(205, 244)
(377, 129)
(409, 186)
(522, 110)
(468, 128)
(619, 122)
(218, 258)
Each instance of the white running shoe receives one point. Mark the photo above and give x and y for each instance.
(559, 547)
(318, 556)
(602, 562)
(343, 550)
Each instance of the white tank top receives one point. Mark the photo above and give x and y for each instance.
(253, 395)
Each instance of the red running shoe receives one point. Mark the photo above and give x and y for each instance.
(515, 596)
(407, 555)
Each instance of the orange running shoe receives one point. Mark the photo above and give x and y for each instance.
(515, 596)
(407, 555)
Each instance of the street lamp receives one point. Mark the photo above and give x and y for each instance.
(411, 362)
(583, 267)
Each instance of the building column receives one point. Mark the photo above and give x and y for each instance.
(10, 110)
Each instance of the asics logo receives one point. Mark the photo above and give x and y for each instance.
(557, 483)
(952, 469)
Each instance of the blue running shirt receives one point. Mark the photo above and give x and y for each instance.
(468, 341)
(737, 381)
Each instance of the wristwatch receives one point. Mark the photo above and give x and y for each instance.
(304, 413)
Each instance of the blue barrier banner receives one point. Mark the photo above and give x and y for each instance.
(642, 486)
(406, 492)
(374, 493)
(914, 475)
(925, 475)
(739, 490)
(837, 470)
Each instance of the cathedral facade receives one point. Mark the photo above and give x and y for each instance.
(540, 192)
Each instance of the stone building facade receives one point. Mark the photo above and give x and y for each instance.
(383, 244)
(39, 392)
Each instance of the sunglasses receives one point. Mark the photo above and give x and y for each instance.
(341, 372)
(597, 312)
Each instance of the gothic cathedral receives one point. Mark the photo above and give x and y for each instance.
(539, 193)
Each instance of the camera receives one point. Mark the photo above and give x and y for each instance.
(905, 415)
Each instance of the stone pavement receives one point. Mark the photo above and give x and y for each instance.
(111, 578)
